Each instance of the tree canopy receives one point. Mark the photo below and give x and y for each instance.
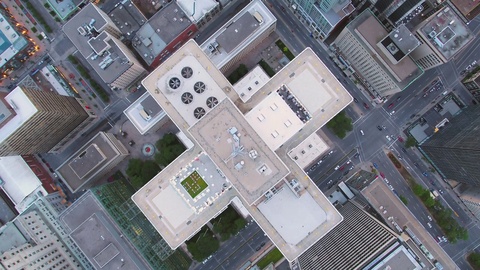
(203, 244)
(340, 124)
(140, 172)
(228, 223)
(169, 148)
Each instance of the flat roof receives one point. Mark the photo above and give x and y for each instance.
(446, 32)
(371, 31)
(63, 8)
(11, 42)
(234, 147)
(299, 216)
(89, 15)
(238, 33)
(197, 9)
(97, 237)
(24, 110)
(399, 43)
(249, 84)
(148, 104)
(400, 258)
(161, 29)
(274, 120)
(12, 170)
(79, 168)
(195, 95)
(308, 150)
(127, 17)
(251, 166)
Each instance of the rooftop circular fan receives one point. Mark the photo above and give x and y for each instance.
(199, 112)
(199, 87)
(212, 102)
(187, 72)
(187, 98)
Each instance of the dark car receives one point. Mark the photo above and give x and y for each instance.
(379, 128)
(131, 143)
(425, 174)
(355, 100)
(391, 105)
(398, 98)
(366, 105)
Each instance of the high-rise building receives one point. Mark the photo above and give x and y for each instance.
(34, 122)
(97, 38)
(455, 150)
(359, 242)
(380, 59)
(470, 196)
(322, 16)
(36, 240)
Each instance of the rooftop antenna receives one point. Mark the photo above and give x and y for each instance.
(238, 149)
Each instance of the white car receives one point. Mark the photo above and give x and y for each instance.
(390, 187)
(336, 168)
(392, 112)
(429, 225)
(386, 181)
(429, 218)
(388, 138)
(361, 131)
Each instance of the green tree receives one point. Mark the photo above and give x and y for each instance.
(410, 142)
(340, 124)
(474, 260)
(203, 244)
(418, 189)
(140, 172)
(169, 148)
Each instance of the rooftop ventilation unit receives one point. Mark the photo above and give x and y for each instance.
(199, 112)
(199, 87)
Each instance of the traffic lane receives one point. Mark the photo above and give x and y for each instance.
(239, 258)
(373, 139)
(414, 204)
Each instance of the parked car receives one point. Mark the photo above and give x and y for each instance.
(425, 174)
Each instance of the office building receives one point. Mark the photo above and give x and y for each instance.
(96, 158)
(394, 13)
(90, 227)
(240, 35)
(322, 16)
(380, 59)
(162, 34)
(200, 12)
(443, 35)
(470, 196)
(145, 113)
(35, 122)
(231, 157)
(454, 150)
(359, 242)
(97, 38)
(472, 82)
(36, 240)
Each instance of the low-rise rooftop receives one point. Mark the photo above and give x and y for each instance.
(144, 113)
(446, 32)
(159, 31)
(91, 158)
(249, 84)
(127, 17)
(11, 42)
(238, 32)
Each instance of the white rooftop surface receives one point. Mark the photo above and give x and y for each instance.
(251, 83)
(19, 180)
(187, 85)
(230, 150)
(221, 57)
(196, 9)
(175, 215)
(23, 108)
(274, 120)
(11, 35)
(300, 87)
(298, 217)
(133, 114)
(308, 150)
